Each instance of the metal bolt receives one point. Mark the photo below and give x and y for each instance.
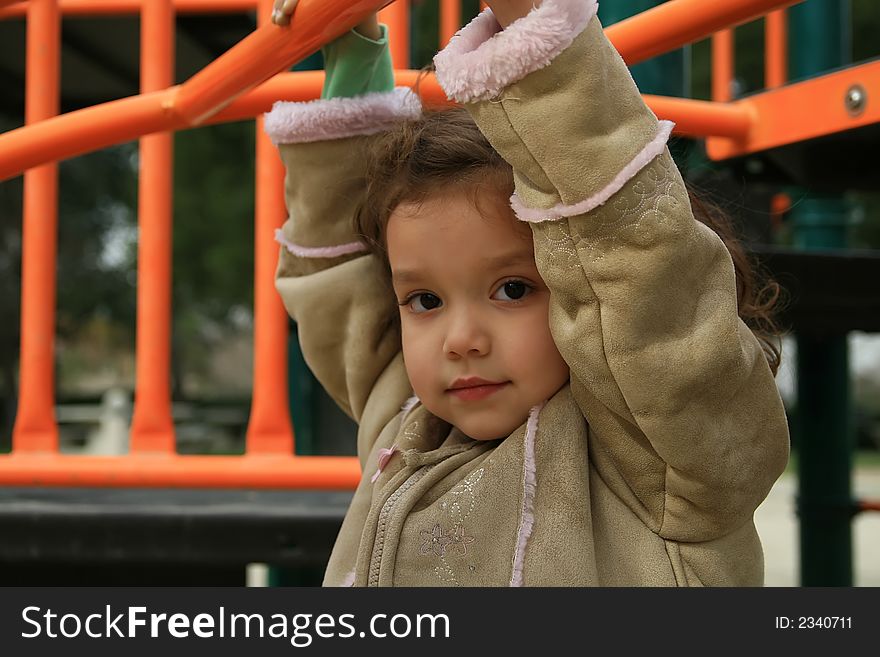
(856, 99)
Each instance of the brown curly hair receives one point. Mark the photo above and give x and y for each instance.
(445, 149)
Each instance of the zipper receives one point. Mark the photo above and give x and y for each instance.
(383, 520)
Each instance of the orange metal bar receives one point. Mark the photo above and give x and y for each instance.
(396, 17)
(152, 429)
(35, 427)
(678, 22)
(869, 505)
(269, 427)
(263, 53)
(86, 130)
(171, 470)
(698, 118)
(450, 19)
(116, 7)
(722, 66)
(776, 49)
(801, 111)
(118, 121)
(122, 120)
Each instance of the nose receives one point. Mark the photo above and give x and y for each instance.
(466, 335)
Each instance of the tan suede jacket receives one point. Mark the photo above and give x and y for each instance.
(647, 467)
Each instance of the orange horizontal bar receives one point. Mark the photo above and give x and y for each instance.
(116, 7)
(699, 118)
(93, 128)
(176, 471)
(306, 85)
(122, 120)
(801, 111)
(676, 23)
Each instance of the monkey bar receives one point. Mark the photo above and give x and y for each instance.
(241, 84)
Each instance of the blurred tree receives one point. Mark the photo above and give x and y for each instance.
(213, 240)
(96, 194)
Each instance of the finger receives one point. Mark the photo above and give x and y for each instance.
(282, 11)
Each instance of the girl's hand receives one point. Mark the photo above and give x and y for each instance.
(283, 10)
(507, 11)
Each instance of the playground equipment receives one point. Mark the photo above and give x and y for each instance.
(243, 83)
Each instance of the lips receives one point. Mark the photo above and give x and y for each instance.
(475, 388)
(472, 382)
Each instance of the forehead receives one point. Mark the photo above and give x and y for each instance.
(447, 234)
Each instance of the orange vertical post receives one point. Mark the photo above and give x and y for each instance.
(722, 65)
(35, 426)
(450, 19)
(776, 49)
(269, 428)
(396, 17)
(152, 428)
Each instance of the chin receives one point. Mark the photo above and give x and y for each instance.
(486, 433)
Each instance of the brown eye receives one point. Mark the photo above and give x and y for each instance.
(428, 302)
(514, 290)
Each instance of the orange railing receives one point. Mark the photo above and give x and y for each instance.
(237, 85)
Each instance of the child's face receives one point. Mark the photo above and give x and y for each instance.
(475, 306)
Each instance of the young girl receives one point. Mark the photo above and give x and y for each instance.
(558, 394)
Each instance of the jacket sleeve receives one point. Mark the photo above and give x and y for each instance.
(330, 285)
(686, 424)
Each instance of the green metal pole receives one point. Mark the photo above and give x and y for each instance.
(819, 36)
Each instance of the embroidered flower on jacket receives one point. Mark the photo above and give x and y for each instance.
(459, 541)
(434, 541)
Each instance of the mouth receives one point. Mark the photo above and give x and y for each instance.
(472, 393)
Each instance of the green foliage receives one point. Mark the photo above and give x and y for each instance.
(213, 220)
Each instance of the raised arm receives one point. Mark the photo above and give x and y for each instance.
(643, 296)
(330, 286)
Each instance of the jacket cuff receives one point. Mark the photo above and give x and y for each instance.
(336, 118)
(651, 150)
(482, 59)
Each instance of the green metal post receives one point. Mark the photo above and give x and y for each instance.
(819, 36)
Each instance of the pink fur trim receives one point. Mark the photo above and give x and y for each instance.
(527, 515)
(482, 59)
(318, 251)
(349, 579)
(648, 153)
(335, 118)
(408, 406)
(384, 456)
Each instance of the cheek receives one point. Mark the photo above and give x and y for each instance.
(544, 353)
(416, 355)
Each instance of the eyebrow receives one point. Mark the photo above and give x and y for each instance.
(495, 262)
